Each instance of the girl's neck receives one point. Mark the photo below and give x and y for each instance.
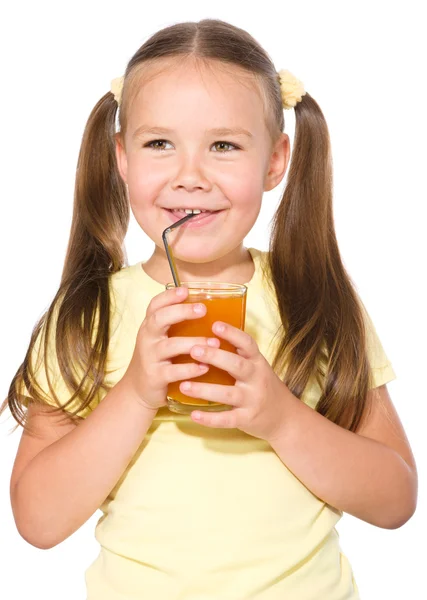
(235, 267)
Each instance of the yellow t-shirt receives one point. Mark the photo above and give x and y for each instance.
(206, 513)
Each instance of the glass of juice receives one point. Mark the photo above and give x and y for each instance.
(224, 302)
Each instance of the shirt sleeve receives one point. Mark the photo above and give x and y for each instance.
(381, 367)
(60, 387)
(40, 379)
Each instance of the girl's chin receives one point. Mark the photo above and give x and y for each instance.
(194, 253)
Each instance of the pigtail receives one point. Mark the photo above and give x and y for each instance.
(323, 326)
(78, 319)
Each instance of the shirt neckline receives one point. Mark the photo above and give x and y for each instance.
(254, 252)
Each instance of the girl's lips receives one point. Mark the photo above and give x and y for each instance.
(200, 220)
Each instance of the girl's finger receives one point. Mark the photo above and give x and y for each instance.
(225, 394)
(227, 419)
(242, 341)
(237, 366)
(176, 345)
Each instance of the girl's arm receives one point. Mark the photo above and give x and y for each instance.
(370, 474)
(64, 484)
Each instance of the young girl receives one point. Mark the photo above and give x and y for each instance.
(237, 504)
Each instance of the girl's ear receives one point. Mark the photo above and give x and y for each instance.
(121, 156)
(278, 164)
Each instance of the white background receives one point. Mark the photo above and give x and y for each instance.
(364, 64)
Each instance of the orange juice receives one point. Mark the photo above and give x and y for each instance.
(224, 302)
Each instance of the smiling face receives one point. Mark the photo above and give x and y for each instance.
(190, 166)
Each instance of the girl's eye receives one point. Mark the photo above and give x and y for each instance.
(150, 145)
(226, 144)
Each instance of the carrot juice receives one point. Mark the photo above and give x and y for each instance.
(224, 302)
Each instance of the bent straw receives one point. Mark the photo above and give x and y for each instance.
(168, 250)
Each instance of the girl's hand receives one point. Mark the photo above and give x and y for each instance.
(258, 395)
(150, 369)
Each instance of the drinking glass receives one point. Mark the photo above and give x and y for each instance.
(224, 302)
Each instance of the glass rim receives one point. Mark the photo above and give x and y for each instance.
(210, 285)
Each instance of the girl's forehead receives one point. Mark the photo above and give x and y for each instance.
(185, 89)
(206, 72)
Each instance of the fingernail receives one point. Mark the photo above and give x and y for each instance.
(180, 291)
(199, 308)
(213, 342)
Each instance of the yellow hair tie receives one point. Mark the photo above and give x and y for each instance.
(292, 89)
(116, 88)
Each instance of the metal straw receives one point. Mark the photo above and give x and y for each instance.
(168, 250)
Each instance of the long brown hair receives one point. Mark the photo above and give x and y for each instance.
(323, 328)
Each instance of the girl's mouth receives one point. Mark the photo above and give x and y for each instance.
(199, 220)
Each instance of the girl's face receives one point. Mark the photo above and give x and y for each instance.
(189, 165)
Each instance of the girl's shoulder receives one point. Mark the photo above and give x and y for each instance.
(130, 292)
(262, 268)
(123, 280)
(121, 285)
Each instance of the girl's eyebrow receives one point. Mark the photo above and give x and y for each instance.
(217, 131)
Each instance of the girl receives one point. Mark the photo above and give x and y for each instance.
(237, 504)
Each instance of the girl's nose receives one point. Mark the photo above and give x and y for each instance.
(191, 175)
